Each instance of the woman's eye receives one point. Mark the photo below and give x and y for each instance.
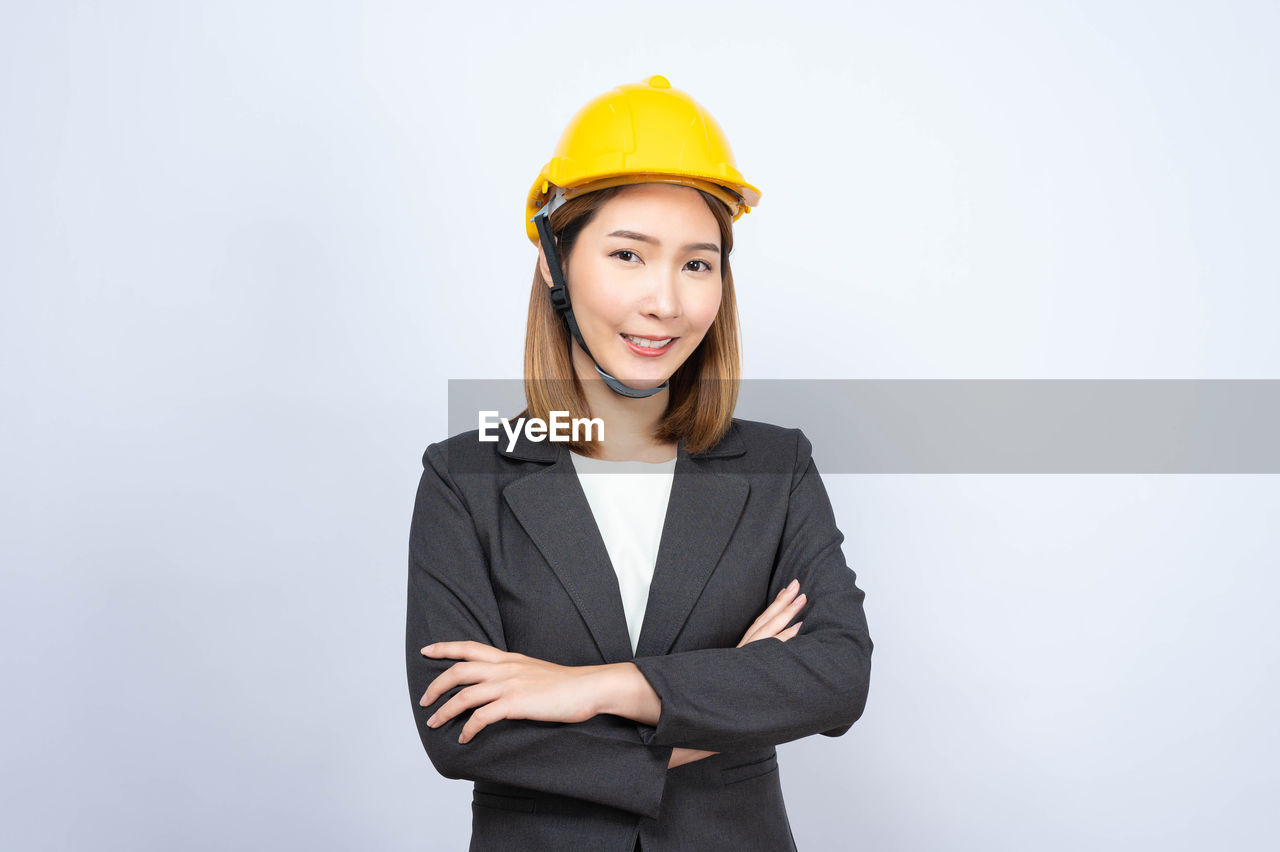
(622, 252)
(706, 266)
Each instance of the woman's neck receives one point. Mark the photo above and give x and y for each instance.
(629, 424)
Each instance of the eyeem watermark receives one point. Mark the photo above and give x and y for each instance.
(561, 427)
(983, 426)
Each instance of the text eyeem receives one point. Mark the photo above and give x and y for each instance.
(561, 427)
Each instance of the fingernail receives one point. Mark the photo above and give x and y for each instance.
(795, 584)
(431, 721)
(429, 648)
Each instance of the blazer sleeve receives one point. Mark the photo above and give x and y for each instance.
(769, 691)
(604, 759)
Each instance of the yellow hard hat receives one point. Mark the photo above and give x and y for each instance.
(641, 133)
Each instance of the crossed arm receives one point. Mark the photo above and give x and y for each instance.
(629, 721)
(515, 686)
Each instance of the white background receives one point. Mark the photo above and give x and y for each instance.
(245, 245)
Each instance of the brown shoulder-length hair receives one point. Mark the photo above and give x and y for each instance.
(704, 389)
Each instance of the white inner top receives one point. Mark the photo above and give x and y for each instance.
(629, 501)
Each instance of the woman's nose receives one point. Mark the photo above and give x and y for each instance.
(663, 299)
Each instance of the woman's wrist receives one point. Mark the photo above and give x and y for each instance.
(623, 690)
(681, 756)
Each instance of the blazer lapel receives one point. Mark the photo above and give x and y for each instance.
(553, 509)
(702, 512)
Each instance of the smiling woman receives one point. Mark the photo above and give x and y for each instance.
(648, 262)
(602, 634)
(643, 305)
(659, 299)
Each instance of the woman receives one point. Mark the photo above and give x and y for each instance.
(612, 656)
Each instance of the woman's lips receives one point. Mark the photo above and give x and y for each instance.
(647, 351)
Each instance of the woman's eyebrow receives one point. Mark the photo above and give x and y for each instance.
(632, 235)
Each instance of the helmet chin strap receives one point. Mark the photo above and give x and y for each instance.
(559, 293)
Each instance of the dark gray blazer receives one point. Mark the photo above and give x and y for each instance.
(504, 550)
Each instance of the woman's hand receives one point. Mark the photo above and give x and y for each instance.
(773, 621)
(507, 685)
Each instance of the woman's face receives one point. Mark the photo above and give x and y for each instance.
(644, 281)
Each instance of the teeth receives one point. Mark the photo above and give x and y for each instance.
(648, 344)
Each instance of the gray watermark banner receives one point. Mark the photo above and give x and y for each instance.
(1104, 426)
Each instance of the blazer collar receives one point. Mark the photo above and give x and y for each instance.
(702, 513)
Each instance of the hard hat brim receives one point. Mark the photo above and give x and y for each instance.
(739, 198)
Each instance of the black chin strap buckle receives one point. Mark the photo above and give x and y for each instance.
(559, 297)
